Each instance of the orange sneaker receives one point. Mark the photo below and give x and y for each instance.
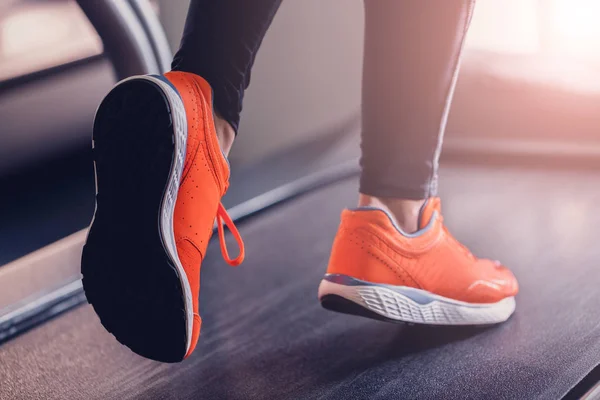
(428, 277)
(160, 176)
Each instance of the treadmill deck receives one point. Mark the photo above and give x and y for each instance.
(266, 336)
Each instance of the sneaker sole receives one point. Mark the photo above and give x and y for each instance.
(132, 275)
(390, 303)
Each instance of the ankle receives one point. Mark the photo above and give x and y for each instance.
(405, 211)
(225, 134)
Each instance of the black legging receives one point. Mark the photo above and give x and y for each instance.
(411, 59)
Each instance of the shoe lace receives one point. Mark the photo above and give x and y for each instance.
(223, 218)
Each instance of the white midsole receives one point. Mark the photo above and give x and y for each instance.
(438, 311)
(170, 198)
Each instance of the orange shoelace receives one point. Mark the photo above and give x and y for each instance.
(223, 218)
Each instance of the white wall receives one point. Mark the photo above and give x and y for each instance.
(505, 26)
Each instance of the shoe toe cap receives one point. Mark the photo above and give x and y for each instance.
(497, 283)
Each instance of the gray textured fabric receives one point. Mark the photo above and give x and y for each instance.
(264, 335)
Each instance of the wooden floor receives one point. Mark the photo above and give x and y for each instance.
(266, 337)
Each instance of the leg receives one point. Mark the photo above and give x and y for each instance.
(220, 42)
(412, 54)
(393, 258)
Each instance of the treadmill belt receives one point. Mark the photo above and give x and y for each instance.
(265, 336)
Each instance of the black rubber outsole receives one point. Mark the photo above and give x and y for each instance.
(333, 302)
(128, 276)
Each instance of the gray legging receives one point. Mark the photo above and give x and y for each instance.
(411, 59)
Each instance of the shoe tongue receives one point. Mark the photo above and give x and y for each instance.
(432, 204)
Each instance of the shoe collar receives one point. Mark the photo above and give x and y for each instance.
(423, 230)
